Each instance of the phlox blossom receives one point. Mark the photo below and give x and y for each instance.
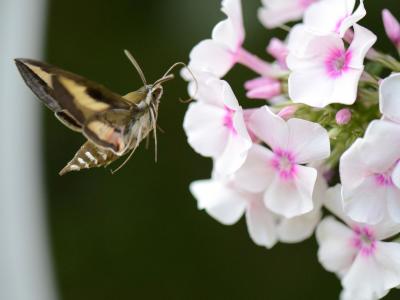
(367, 265)
(278, 171)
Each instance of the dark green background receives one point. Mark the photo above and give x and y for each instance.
(138, 234)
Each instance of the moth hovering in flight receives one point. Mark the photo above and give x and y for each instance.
(114, 125)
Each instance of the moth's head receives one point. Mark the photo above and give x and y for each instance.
(156, 92)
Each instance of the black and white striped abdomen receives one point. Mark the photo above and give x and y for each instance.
(89, 156)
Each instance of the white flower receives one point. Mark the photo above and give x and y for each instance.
(226, 202)
(366, 171)
(277, 12)
(389, 95)
(279, 172)
(324, 71)
(215, 126)
(333, 16)
(367, 265)
(219, 54)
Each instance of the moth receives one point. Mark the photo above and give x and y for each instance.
(113, 125)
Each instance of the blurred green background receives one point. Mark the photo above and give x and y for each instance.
(138, 234)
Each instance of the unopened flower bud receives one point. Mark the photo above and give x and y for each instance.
(287, 112)
(343, 116)
(392, 27)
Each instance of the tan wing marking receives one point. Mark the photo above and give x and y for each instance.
(81, 96)
(45, 76)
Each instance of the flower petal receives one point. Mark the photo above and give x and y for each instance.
(220, 201)
(372, 276)
(237, 148)
(308, 141)
(366, 203)
(255, 174)
(211, 56)
(363, 40)
(389, 94)
(327, 16)
(261, 224)
(269, 128)
(204, 128)
(335, 252)
(291, 198)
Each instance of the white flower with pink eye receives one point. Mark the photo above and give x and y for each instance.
(215, 126)
(275, 13)
(325, 72)
(333, 16)
(367, 265)
(366, 172)
(226, 202)
(279, 172)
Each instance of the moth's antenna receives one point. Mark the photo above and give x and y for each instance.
(136, 65)
(191, 73)
(139, 138)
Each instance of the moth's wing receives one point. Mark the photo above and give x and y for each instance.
(111, 129)
(76, 97)
(38, 77)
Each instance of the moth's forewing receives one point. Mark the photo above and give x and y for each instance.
(36, 75)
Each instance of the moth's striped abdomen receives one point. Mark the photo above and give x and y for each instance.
(89, 156)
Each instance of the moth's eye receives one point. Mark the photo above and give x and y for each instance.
(156, 93)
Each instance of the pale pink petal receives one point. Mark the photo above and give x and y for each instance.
(213, 57)
(276, 13)
(326, 16)
(261, 224)
(233, 34)
(221, 202)
(366, 203)
(335, 251)
(346, 86)
(255, 174)
(389, 95)
(204, 129)
(396, 175)
(363, 40)
(269, 128)
(225, 33)
(353, 166)
(333, 202)
(374, 275)
(352, 19)
(291, 198)
(393, 198)
(237, 148)
(308, 141)
(310, 87)
(299, 228)
(228, 97)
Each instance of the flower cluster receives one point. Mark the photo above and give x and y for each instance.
(325, 138)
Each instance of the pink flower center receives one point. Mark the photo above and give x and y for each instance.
(383, 179)
(305, 3)
(364, 240)
(284, 163)
(228, 119)
(337, 62)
